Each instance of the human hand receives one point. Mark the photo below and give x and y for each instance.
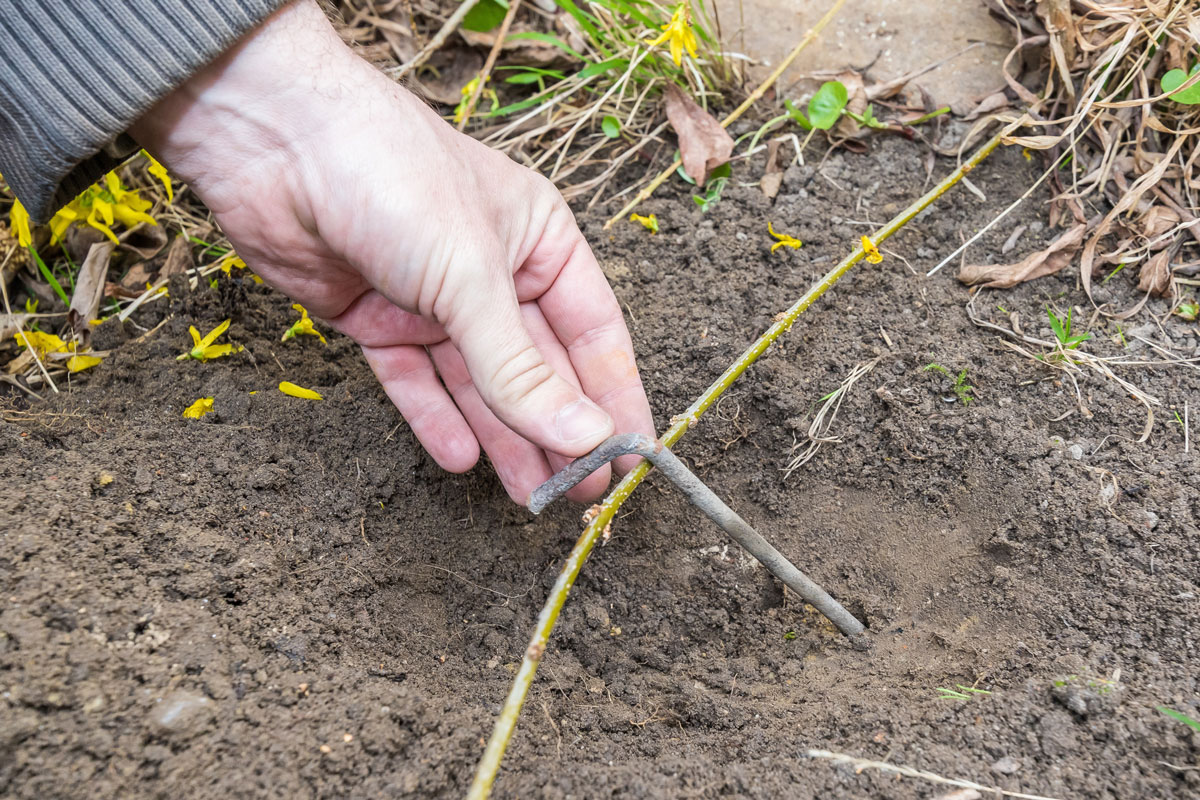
(346, 192)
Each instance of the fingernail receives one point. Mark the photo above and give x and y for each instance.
(581, 420)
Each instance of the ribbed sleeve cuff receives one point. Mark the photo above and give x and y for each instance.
(75, 74)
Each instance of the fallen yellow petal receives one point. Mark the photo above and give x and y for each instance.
(289, 388)
(650, 222)
(80, 363)
(199, 408)
(871, 251)
(784, 240)
(19, 218)
(43, 343)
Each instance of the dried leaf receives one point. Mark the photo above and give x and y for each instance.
(144, 241)
(89, 289)
(1046, 262)
(703, 143)
(772, 179)
(179, 258)
(993, 102)
(1155, 275)
(1157, 221)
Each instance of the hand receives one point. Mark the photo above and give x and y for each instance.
(346, 192)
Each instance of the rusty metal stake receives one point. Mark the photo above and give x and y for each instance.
(703, 498)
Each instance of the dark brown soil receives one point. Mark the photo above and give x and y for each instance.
(289, 599)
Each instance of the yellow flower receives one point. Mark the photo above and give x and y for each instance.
(679, 32)
(1025, 151)
(63, 218)
(199, 408)
(650, 223)
(43, 343)
(784, 240)
(289, 388)
(19, 218)
(159, 171)
(302, 326)
(80, 363)
(871, 251)
(203, 349)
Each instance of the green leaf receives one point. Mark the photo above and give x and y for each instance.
(547, 39)
(797, 115)
(1174, 79)
(601, 67)
(49, 276)
(1056, 325)
(485, 15)
(522, 78)
(723, 171)
(611, 126)
(826, 105)
(1179, 717)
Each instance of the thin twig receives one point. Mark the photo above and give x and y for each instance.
(435, 44)
(486, 72)
(859, 764)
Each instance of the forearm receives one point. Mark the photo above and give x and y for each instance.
(75, 75)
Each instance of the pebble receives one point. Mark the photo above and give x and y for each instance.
(1007, 766)
(182, 713)
(1075, 452)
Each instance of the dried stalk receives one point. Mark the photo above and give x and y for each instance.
(489, 764)
(401, 72)
(486, 72)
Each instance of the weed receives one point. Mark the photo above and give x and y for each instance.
(962, 390)
(959, 693)
(1179, 716)
(1067, 341)
(1188, 310)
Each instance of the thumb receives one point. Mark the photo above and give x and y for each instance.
(513, 377)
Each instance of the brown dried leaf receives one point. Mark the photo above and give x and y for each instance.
(1155, 275)
(89, 289)
(179, 258)
(1158, 220)
(1046, 262)
(703, 143)
(772, 179)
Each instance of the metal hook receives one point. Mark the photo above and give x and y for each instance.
(703, 498)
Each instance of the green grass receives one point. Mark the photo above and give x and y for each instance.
(960, 692)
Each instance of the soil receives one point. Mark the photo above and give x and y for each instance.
(289, 598)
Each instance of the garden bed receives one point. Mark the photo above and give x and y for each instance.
(289, 599)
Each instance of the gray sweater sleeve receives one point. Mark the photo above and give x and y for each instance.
(75, 74)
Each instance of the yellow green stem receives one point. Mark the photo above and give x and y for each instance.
(489, 765)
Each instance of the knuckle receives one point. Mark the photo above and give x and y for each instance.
(519, 375)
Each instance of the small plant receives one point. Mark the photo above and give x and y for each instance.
(959, 693)
(717, 179)
(1188, 310)
(1062, 331)
(1179, 716)
(962, 390)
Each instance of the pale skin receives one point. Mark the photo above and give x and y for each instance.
(462, 275)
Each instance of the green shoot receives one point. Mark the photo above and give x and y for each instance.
(962, 390)
(1188, 310)
(931, 115)
(959, 693)
(1120, 337)
(1109, 276)
(789, 636)
(1179, 716)
(611, 126)
(716, 183)
(49, 276)
(1062, 331)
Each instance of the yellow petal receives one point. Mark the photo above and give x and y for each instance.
(43, 343)
(80, 363)
(209, 352)
(62, 220)
(19, 218)
(199, 408)
(871, 251)
(159, 171)
(214, 333)
(289, 388)
(650, 222)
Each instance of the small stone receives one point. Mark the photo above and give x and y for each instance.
(104, 478)
(94, 705)
(347, 737)
(1107, 493)
(1007, 766)
(1147, 519)
(326, 749)
(1075, 452)
(183, 714)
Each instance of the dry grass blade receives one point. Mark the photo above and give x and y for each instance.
(819, 432)
(860, 764)
(1120, 112)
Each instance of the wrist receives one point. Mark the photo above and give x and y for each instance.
(251, 108)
